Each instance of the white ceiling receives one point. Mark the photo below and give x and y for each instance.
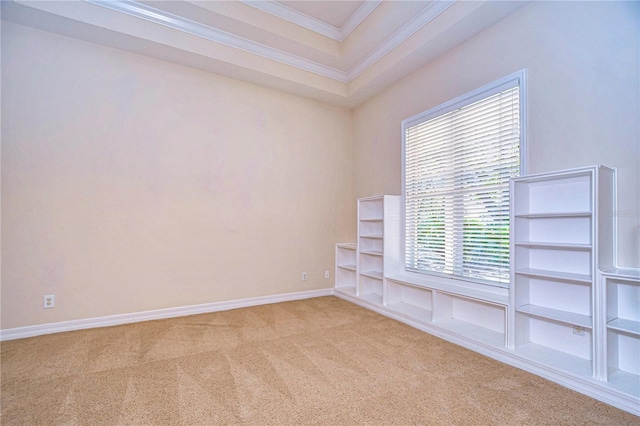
(335, 13)
(340, 52)
(334, 19)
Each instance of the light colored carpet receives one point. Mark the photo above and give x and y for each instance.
(316, 361)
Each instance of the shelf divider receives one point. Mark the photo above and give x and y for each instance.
(372, 274)
(553, 215)
(557, 275)
(556, 359)
(570, 318)
(625, 326)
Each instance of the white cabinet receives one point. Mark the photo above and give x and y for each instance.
(560, 235)
(622, 329)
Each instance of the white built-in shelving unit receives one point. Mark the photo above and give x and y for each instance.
(380, 285)
(569, 314)
(556, 242)
(376, 246)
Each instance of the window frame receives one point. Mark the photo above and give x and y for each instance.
(444, 108)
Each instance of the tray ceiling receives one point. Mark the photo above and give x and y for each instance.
(337, 52)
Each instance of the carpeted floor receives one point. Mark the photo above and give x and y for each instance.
(316, 361)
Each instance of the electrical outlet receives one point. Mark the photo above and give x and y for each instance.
(326, 274)
(304, 276)
(49, 301)
(578, 331)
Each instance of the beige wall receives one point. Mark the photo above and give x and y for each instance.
(582, 60)
(132, 184)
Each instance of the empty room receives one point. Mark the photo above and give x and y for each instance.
(320, 212)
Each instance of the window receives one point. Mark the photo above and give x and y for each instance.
(458, 159)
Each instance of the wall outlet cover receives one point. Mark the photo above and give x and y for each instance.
(49, 301)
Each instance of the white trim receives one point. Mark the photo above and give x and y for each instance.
(614, 254)
(590, 387)
(524, 146)
(358, 17)
(81, 324)
(295, 17)
(157, 16)
(427, 15)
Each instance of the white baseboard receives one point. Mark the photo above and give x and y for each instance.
(81, 324)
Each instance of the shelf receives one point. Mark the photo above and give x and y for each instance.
(622, 286)
(350, 290)
(345, 273)
(564, 276)
(372, 274)
(625, 382)
(553, 232)
(556, 336)
(622, 273)
(411, 311)
(475, 332)
(555, 193)
(553, 215)
(556, 246)
(348, 267)
(625, 326)
(372, 252)
(553, 177)
(480, 321)
(347, 246)
(623, 352)
(373, 219)
(377, 236)
(556, 359)
(623, 295)
(372, 298)
(557, 315)
(551, 262)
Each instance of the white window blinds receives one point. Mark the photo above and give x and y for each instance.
(456, 189)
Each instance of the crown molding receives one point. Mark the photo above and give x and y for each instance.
(149, 13)
(301, 19)
(427, 15)
(358, 17)
(289, 14)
